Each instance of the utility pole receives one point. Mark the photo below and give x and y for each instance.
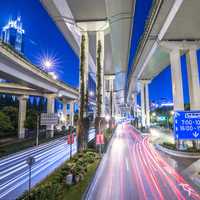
(38, 129)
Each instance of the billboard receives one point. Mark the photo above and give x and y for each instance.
(187, 125)
(49, 119)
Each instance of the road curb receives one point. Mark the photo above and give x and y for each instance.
(177, 153)
(84, 197)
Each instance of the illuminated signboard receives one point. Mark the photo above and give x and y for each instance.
(187, 125)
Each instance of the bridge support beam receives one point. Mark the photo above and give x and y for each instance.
(109, 91)
(64, 110)
(147, 105)
(145, 111)
(177, 87)
(22, 116)
(72, 113)
(143, 105)
(193, 82)
(193, 79)
(50, 109)
(134, 103)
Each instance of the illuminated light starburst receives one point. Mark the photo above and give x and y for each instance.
(50, 63)
(47, 63)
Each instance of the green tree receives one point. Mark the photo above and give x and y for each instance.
(99, 86)
(82, 97)
(98, 77)
(5, 125)
(12, 113)
(31, 120)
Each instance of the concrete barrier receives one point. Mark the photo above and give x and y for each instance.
(177, 153)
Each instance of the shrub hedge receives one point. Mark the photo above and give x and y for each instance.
(53, 186)
(173, 147)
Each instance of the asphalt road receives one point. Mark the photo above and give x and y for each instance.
(133, 169)
(14, 170)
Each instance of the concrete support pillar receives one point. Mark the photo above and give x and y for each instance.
(22, 116)
(64, 110)
(50, 109)
(72, 113)
(135, 104)
(145, 111)
(94, 113)
(109, 79)
(177, 87)
(143, 104)
(100, 37)
(193, 79)
(147, 105)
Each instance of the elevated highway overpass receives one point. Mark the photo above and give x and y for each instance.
(17, 69)
(109, 21)
(172, 30)
(31, 81)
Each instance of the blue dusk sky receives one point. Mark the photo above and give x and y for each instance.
(42, 37)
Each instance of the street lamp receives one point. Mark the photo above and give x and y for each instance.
(91, 93)
(53, 75)
(172, 112)
(47, 63)
(153, 114)
(107, 117)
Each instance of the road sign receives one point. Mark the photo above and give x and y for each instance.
(30, 161)
(70, 139)
(187, 125)
(99, 139)
(49, 119)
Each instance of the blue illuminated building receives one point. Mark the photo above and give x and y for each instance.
(13, 34)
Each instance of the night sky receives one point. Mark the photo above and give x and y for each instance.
(43, 37)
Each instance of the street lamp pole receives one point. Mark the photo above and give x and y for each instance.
(37, 132)
(30, 161)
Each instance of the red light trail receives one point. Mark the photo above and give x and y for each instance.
(133, 169)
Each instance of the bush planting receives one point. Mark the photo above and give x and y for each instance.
(53, 186)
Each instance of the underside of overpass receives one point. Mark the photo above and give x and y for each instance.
(169, 21)
(114, 17)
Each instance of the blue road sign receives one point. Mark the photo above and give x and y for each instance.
(187, 125)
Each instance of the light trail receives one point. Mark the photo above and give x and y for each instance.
(14, 170)
(133, 169)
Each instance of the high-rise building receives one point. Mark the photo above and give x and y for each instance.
(13, 34)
